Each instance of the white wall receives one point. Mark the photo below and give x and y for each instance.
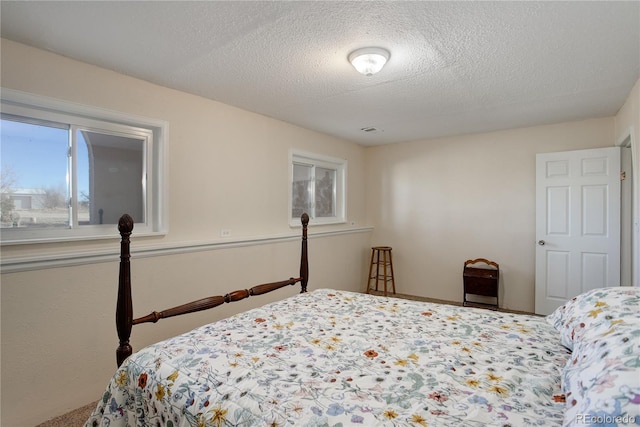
(227, 169)
(441, 202)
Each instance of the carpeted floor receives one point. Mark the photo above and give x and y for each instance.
(439, 301)
(75, 418)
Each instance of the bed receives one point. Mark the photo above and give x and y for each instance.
(334, 358)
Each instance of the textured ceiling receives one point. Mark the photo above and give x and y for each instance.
(455, 67)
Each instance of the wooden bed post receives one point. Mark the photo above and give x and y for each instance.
(124, 307)
(304, 259)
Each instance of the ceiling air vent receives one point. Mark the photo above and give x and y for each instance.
(369, 129)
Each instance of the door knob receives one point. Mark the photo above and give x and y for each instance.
(541, 242)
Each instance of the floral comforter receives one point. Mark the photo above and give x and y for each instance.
(336, 358)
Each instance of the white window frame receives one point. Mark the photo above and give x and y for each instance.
(155, 134)
(340, 165)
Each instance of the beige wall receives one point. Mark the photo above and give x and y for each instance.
(436, 202)
(441, 202)
(627, 125)
(227, 169)
(628, 118)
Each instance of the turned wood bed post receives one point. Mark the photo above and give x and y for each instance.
(304, 259)
(124, 307)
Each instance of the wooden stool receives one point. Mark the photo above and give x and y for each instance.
(383, 263)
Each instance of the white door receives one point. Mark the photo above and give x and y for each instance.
(577, 224)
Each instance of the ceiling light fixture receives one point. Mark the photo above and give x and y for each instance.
(369, 60)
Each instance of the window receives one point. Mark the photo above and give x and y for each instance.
(317, 188)
(71, 171)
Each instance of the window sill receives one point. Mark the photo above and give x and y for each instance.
(85, 237)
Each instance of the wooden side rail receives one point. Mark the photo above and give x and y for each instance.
(124, 306)
(211, 302)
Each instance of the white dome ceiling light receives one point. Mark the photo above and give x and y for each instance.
(369, 60)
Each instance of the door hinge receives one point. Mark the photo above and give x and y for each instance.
(623, 176)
